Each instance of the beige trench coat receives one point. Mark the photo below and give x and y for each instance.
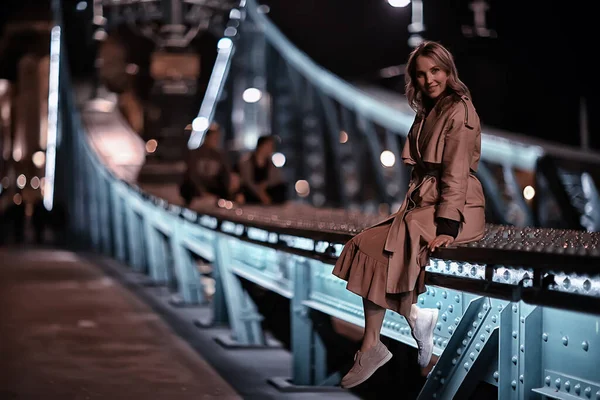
(444, 150)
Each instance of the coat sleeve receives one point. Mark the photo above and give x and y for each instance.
(447, 227)
(459, 146)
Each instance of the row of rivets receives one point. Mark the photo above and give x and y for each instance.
(567, 387)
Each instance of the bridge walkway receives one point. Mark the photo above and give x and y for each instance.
(69, 331)
(82, 326)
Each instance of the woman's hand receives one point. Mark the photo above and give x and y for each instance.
(440, 241)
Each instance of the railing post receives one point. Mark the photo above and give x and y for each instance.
(133, 249)
(307, 347)
(519, 354)
(105, 210)
(203, 245)
(80, 217)
(243, 314)
(92, 209)
(84, 221)
(154, 250)
(309, 353)
(186, 274)
(219, 301)
(118, 225)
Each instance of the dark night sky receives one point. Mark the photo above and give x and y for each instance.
(371, 34)
(11, 50)
(528, 80)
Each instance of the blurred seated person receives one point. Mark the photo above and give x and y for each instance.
(208, 173)
(261, 180)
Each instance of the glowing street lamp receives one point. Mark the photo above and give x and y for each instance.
(398, 3)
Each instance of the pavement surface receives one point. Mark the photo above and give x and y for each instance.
(69, 331)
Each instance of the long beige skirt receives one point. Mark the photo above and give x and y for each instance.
(363, 263)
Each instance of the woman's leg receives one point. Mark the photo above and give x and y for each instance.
(409, 310)
(374, 315)
(422, 323)
(373, 354)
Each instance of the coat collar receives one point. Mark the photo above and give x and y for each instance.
(426, 128)
(434, 115)
(423, 129)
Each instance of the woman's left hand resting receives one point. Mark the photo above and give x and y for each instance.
(440, 241)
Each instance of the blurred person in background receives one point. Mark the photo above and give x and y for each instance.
(208, 173)
(261, 180)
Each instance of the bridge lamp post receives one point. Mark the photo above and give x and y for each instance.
(416, 27)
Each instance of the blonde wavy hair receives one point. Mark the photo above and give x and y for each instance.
(444, 59)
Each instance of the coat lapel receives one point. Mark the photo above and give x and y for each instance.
(428, 129)
(409, 150)
(415, 148)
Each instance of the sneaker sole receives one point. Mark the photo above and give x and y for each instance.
(387, 358)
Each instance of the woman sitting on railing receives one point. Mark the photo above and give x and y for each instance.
(385, 264)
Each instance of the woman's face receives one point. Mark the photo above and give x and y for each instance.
(431, 78)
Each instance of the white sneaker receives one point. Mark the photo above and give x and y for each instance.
(423, 334)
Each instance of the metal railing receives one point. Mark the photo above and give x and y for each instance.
(495, 323)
